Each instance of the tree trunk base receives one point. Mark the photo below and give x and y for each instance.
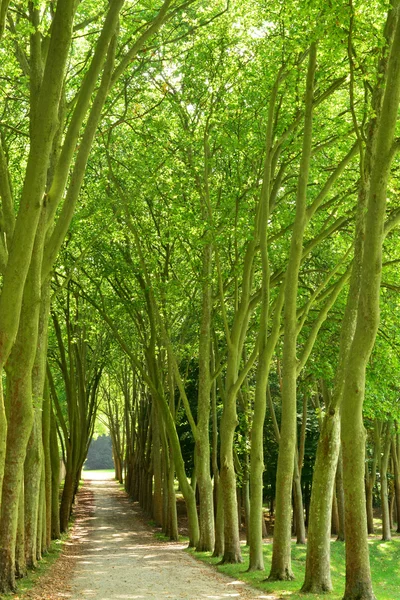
(280, 575)
(204, 547)
(7, 573)
(360, 596)
(259, 566)
(301, 542)
(231, 558)
(316, 587)
(359, 591)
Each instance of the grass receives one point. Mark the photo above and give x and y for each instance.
(385, 558)
(159, 535)
(98, 474)
(26, 584)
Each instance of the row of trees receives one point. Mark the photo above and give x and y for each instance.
(64, 59)
(236, 171)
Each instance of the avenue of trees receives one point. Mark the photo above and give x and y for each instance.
(199, 244)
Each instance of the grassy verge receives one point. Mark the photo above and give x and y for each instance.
(26, 584)
(385, 558)
(161, 537)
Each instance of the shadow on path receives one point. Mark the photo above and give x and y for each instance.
(117, 558)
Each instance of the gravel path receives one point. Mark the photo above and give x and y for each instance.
(117, 557)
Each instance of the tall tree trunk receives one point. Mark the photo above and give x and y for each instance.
(358, 576)
(232, 553)
(157, 469)
(281, 568)
(20, 563)
(34, 455)
(396, 477)
(218, 501)
(202, 448)
(298, 504)
(370, 476)
(265, 348)
(46, 421)
(19, 377)
(340, 498)
(55, 478)
(386, 533)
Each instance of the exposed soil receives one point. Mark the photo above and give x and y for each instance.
(112, 554)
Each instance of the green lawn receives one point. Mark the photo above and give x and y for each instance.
(98, 474)
(385, 560)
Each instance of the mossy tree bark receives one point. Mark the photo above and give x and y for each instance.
(21, 418)
(34, 456)
(44, 102)
(350, 357)
(358, 577)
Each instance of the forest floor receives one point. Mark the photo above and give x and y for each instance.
(112, 554)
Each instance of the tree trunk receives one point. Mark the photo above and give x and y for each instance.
(232, 553)
(19, 390)
(20, 564)
(281, 568)
(318, 575)
(335, 514)
(67, 499)
(386, 533)
(266, 345)
(157, 469)
(55, 479)
(32, 474)
(202, 448)
(396, 477)
(340, 498)
(358, 577)
(298, 504)
(46, 422)
(369, 508)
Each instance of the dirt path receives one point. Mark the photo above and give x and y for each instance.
(117, 558)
